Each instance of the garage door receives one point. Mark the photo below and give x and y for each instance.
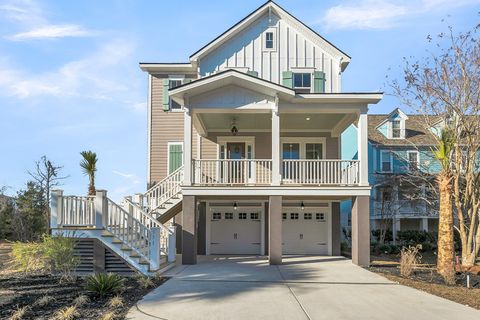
(235, 231)
(305, 232)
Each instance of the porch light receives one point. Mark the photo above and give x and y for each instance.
(302, 206)
(307, 118)
(234, 129)
(235, 205)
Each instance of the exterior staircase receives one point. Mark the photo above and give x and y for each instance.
(135, 231)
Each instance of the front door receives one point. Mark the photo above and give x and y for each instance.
(236, 169)
(290, 151)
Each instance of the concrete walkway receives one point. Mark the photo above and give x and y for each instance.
(302, 288)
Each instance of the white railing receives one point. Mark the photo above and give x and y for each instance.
(320, 172)
(164, 190)
(78, 211)
(232, 172)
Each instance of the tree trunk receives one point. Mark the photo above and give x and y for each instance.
(446, 249)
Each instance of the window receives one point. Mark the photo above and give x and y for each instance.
(302, 80)
(217, 216)
(293, 216)
(254, 216)
(386, 161)
(173, 83)
(413, 160)
(284, 216)
(313, 151)
(228, 215)
(320, 216)
(242, 216)
(396, 129)
(269, 40)
(307, 216)
(291, 151)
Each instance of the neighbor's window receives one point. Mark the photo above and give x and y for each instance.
(302, 80)
(269, 40)
(386, 157)
(173, 83)
(413, 160)
(396, 130)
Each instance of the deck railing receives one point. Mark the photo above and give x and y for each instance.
(259, 172)
(232, 172)
(163, 190)
(78, 211)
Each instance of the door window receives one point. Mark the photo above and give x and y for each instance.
(291, 151)
(313, 151)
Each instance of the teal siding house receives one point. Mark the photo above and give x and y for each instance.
(401, 169)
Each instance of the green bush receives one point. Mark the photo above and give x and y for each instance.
(28, 256)
(59, 252)
(104, 283)
(377, 232)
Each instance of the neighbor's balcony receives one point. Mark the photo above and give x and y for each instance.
(259, 172)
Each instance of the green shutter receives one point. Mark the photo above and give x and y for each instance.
(287, 79)
(253, 73)
(319, 82)
(165, 97)
(175, 156)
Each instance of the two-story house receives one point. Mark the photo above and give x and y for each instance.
(244, 143)
(402, 171)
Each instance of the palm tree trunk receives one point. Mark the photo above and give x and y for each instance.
(91, 187)
(446, 249)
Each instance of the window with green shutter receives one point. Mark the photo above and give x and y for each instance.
(175, 156)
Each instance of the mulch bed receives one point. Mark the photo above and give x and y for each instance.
(19, 289)
(426, 279)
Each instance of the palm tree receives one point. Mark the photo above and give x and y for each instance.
(89, 167)
(446, 248)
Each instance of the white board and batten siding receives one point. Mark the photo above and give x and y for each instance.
(292, 51)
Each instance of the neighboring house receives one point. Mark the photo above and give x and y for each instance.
(402, 169)
(244, 148)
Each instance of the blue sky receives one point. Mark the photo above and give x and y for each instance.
(69, 76)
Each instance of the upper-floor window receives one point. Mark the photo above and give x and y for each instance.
(302, 80)
(413, 160)
(386, 161)
(269, 40)
(396, 129)
(173, 83)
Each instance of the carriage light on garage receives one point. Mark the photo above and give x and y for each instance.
(302, 206)
(235, 207)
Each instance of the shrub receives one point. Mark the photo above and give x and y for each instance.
(144, 282)
(67, 313)
(104, 283)
(81, 300)
(409, 258)
(28, 256)
(44, 301)
(110, 315)
(19, 313)
(59, 251)
(115, 302)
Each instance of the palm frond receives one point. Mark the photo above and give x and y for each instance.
(445, 146)
(89, 162)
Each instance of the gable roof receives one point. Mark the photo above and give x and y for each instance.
(398, 111)
(282, 13)
(416, 132)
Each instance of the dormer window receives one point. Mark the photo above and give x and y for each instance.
(396, 129)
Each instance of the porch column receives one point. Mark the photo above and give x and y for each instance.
(362, 141)
(187, 147)
(361, 230)
(276, 165)
(336, 229)
(275, 230)
(424, 224)
(189, 234)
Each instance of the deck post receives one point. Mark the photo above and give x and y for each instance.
(361, 230)
(275, 230)
(362, 141)
(189, 232)
(101, 209)
(154, 247)
(187, 147)
(56, 203)
(172, 245)
(276, 175)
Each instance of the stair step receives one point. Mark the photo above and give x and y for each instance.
(125, 248)
(106, 234)
(116, 241)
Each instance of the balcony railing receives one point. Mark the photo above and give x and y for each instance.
(259, 172)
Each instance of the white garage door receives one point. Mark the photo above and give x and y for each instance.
(235, 231)
(305, 231)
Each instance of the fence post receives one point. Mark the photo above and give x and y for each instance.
(154, 248)
(56, 208)
(172, 246)
(101, 209)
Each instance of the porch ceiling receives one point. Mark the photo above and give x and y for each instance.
(262, 121)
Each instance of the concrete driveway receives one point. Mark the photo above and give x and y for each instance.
(302, 288)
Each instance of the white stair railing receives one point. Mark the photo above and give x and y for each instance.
(164, 190)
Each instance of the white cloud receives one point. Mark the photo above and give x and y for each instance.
(126, 188)
(52, 32)
(383, 14)
(97, 76)
(30, 17)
